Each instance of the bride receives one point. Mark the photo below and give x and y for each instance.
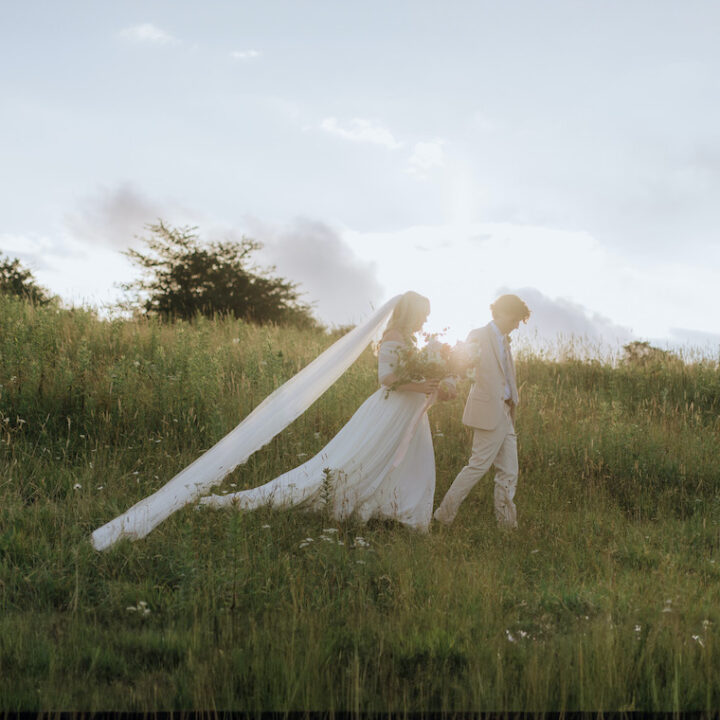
(381, 464)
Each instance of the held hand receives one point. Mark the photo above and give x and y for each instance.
(428, 386)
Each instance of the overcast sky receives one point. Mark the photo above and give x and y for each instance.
(565, 150)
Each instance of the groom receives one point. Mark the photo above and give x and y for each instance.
(490, 411)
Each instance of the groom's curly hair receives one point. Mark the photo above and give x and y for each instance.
(511, 305)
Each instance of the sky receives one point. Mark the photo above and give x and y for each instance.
(564, 150)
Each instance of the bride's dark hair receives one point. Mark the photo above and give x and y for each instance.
(410, 310)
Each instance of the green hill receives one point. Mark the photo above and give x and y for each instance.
(606, 597)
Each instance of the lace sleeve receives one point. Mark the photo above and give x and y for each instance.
(387, 359)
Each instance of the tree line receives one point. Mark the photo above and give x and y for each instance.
(182, 277)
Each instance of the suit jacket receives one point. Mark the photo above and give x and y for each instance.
(485, 403)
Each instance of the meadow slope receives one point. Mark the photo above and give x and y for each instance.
(607, 597)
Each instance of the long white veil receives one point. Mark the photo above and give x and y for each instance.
(276, 412)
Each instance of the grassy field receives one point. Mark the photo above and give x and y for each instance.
(607, 597)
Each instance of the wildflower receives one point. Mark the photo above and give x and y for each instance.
(523, 634)
(330, 530)
(77, 486)
(265, 527)
(360, 562)
(308, 540)
(532, 552)
(236, 341)
(141, 608)
(706, 624)
(233, 484)
(638, 628)
(509, 636)
(302, 455)
(303, 544)
(698, 640)
(100, 487)
(360, 542)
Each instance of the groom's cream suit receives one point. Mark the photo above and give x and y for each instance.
(489, 410)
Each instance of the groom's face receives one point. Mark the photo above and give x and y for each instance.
(506, 323)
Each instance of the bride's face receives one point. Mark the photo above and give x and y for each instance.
(420, 318)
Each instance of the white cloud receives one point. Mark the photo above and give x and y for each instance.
(115, 217)
(363, 131)
(341, 286)
(244, 54)
(462, 267)
(565, 319)
(426, 157)
(148, 33)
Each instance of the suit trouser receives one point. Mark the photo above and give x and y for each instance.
(490, 447)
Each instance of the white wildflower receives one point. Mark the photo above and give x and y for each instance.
(698, 640)
(265, 527)
(330, 530)
(100, 487)
(77, 486)
(509, 636)
(131, 608)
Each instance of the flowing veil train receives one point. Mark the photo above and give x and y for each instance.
(276, 412)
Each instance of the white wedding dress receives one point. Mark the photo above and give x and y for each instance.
(381, 463)
(383, 458)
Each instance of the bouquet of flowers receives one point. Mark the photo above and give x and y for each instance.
(434, 361)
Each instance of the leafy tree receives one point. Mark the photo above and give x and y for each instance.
(183, 278)
(18, 280)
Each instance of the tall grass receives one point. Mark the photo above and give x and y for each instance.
(606, 597)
